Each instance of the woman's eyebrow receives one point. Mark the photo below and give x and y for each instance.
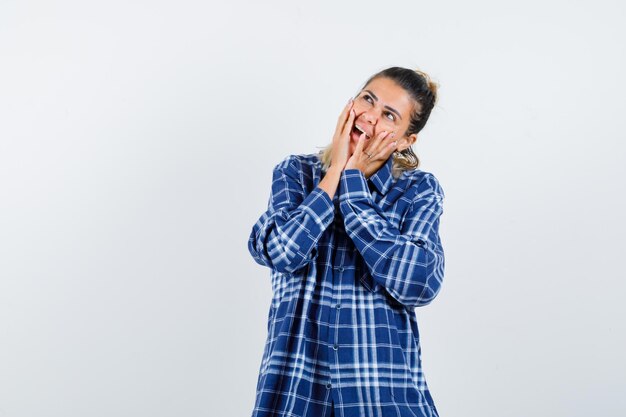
(391, 109)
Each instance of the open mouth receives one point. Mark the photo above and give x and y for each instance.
(356, 133)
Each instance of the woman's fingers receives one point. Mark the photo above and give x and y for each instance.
(360, 144)
(347, 127)
(341, 146)
(343, 116)
(383, 142)
(375, 145)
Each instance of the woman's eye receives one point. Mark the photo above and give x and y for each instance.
(368, 98)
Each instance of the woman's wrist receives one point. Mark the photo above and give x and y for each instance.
(334, 170)
(330, 182)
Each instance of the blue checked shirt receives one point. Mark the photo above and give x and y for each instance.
(346, 275)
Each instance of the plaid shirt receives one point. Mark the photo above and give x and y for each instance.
(346, 275)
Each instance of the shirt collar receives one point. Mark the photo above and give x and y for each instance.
(382, 179)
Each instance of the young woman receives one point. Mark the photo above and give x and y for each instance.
(351, 235)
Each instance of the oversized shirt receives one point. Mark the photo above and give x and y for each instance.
(346, 276)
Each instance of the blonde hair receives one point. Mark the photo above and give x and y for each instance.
(423, 90)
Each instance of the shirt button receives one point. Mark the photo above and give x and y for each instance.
(335, 346)
(338, 305)
(340, 269)
(328, 385)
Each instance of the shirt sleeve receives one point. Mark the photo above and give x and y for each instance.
(408, 262)
(285, 237)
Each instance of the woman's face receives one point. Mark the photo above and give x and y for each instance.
(382, 105)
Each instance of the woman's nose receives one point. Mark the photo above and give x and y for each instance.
(369, 117)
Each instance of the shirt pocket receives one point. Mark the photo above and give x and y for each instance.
(369, 283)
(365, 277)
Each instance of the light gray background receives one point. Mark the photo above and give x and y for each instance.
(137, 140)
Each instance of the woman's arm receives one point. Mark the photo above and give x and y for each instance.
(409, 262)
(285, 237)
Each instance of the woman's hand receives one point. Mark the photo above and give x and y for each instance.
(369, 160)
(341, 139)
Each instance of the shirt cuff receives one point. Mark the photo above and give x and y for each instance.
(353, 184)
(319, 205)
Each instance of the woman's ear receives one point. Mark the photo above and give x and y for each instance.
(407, 141)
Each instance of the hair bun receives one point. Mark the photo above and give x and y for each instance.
(432, 85)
